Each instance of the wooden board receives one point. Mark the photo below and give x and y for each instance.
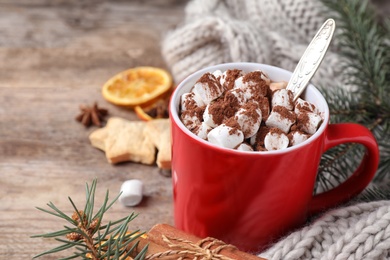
(54, 56)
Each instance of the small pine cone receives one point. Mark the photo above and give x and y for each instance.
(93, 225)
(76, 218)
(73, 236)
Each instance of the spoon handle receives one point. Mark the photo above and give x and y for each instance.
(311, 59)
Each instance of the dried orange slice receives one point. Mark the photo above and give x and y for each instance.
(159, 109)
(137, 86)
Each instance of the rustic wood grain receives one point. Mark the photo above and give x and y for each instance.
(54, 56)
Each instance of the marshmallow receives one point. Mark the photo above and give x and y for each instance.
(275, 140)
(131, 193)
(303, 105)
(244, 147)
(309, 122)
(265, 77)
(190, 101)
(249, 119)
(225, 136)
(190, 119)
(251, 87)
(297, 137)
(208, 117)
(278, 85)
(228, 78)
(202, 130)
(238, 83)
(207, 88)
(235, 96)
(217, 74)
(264, 107)
(281, 118)
(284, 98)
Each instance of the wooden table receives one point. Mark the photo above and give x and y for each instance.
(54, 56)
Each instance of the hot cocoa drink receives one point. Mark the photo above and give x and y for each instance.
(247, 111)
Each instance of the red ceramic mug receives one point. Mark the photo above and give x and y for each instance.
(248, 199)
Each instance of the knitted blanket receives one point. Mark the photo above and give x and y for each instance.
(277, 32)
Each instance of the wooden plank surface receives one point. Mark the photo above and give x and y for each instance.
(54, 56)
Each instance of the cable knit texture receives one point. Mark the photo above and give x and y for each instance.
(356, 232)
(277, 32)
(274, 32)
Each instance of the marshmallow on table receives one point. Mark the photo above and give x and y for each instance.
(208, 88)
(131, 192)
(284, 98)
(281, 118)
(225, 136)
(275, 140)
(309, 122)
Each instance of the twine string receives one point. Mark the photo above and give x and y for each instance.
(184, 249)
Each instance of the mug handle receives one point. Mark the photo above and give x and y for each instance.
(348, 133)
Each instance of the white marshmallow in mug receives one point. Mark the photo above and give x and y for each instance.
(190, 99)
(249, 122)
(275, 140)
(303, 105)
(189, 120)
(297, 137)
(311, 122)
(218, 73)
(202, 130)
(131, 192)
(236, 95)
(277, 119)
(244, 147)
(284, 98)
(225, 136)
(265, 77)
(208, 117)
(208, 88)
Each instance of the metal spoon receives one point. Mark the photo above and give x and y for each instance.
(311, 58)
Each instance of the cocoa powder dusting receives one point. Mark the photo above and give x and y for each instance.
(264, 106)
(305, 106)
(231, 76)
(257, 85)
(212, 83)
(303, 120)
(285, 113)
(190, 103)
(223, 108)
(259, 143)
(231, 122)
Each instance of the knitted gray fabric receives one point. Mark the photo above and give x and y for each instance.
(267, 31)
(277, 32)
(358, 232)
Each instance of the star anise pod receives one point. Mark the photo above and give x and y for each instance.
(91, 115)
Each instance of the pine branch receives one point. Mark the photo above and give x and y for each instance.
(87, 236)
(363, 43)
